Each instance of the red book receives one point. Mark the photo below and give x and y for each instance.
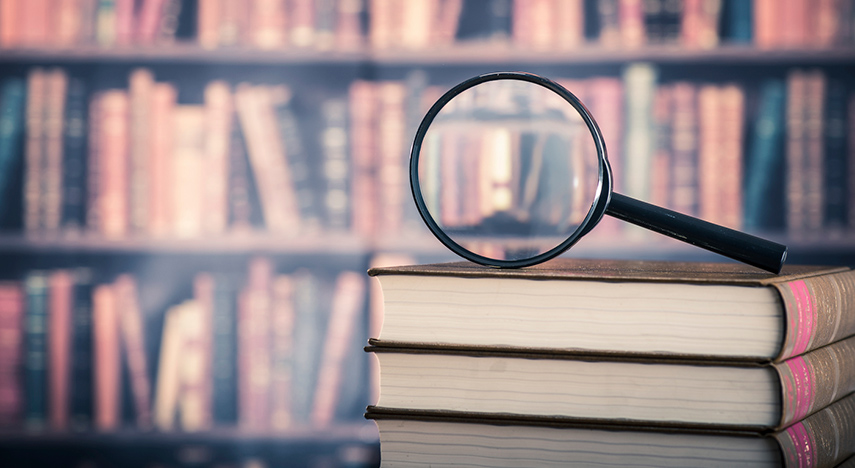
(199, 380)
(348, 29)
(267, 24)
(10, 24)
(107, 358)
(348, 302)
(149, 17)
(124, 22)
(684, 144)
(254, 347)
(66, 30)
(160, 183)
(51, 182)
(11, 343)
(35, 25)
(219, 114)
(140, 93)
(133, 340)
(282, 321)
(207, 25)
(34, 156)
(766, 23)
(113, 164)
(631, 17)
(364, 142)
(60, 294)
(391, 149)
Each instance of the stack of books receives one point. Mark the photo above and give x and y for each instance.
(615, 363)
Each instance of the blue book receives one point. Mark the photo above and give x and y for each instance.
(764, 169)
(12, 97)
(739, 21)
(35, 349)
(224, 351)
(81, 404)
(74, 156)
(836, 168)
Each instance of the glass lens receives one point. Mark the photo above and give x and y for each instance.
(508, 169)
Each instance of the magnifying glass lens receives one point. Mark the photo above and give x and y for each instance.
(509, 170)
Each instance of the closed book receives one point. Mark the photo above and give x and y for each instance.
(224, 350)
(131, 328)
(35, 348)
(721, 310)
(282, 320)
(12, 103)
(765, 160)
(34, 162)
(309, 329)
(106, 358)
(835, 167)
(689, 393)
(336, 166)
(11, 355)
(140, 93)
(254, 347)
(74, 156)
(60, 357)
(51, 183)
(189, 171)
(684, 144)
(81, 387)
(113, 164)
(219, 118)
(415, 438)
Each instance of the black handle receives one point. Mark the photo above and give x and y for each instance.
(746, 248)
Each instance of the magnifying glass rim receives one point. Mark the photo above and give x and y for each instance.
(595, 213)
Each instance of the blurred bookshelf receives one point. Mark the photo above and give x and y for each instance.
(191, 191)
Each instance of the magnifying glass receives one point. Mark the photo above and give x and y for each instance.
(510, 169)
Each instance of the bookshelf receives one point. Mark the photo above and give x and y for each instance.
(356, 102)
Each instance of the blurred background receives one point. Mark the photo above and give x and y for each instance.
(192, 190)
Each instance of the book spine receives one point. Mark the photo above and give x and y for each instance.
(348, 302)
(200, 375)
(218, 128)
(11, 345)
(168, 370)
(12, 103)
(189, 166)
(74, 157)
(391, 152)
(818, 311)
(93, 167)
(59, 347)
(133, 339)
(10, 14)
(684, 197)
(106, 358)
(363, 115)
(149, 17)
(140, 95)
(309, 328)
(640, 82)
(808, 443)
(55, 97)
(282, 353)
(35, 351)
(765, 158)
(336, 166)
(240, 208)
(815, 380)
(113, 165)
(835, 166)
(80, 405)
(224, 351)
(254, 347)
(194, 415)
(298, 159)
(34, 159)
(161, 182)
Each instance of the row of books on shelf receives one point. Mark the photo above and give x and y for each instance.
(135, 162)
(260, 352)
(345, 25)
(620, 363)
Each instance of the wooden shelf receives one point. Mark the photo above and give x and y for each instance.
(338, 244)
(465, 53)
(361, 433)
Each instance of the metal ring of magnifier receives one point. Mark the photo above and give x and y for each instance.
(601, 195)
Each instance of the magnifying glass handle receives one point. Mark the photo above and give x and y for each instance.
(737, 245)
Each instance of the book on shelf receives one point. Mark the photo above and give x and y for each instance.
(12, 315)
(475, 351)
(12, 124)
(416, 438)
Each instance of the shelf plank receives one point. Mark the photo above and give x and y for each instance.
(466, 53)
